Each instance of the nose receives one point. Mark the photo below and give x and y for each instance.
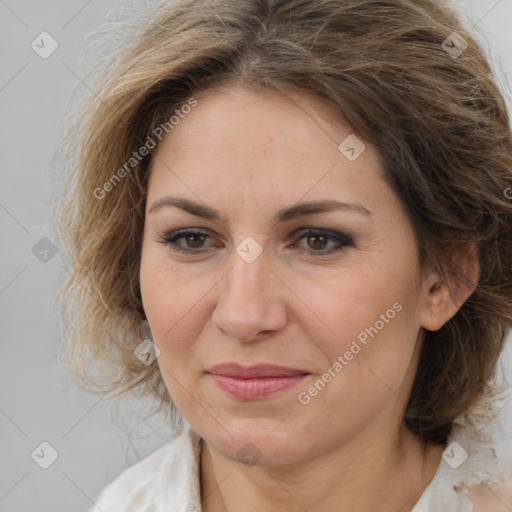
(251, 301)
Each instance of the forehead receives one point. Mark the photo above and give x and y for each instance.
(263, 147)
(242, 121)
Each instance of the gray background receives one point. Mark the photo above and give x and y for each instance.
(95, 440)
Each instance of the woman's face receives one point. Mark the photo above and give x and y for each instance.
(313, 308)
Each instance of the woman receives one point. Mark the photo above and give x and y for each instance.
(304, 204)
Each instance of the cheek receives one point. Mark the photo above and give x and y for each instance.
(170, 301)
(172, 307)
(368, 317)
(350, 303)
(178, 302)
(368, 362)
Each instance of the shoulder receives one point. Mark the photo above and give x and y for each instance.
(480, 481)
(140, 487)
(134, 482)
(491, 497)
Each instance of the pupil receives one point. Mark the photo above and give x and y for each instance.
(317, 237)
(195, 240)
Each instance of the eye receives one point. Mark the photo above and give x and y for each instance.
(317, 241)
(192, 240)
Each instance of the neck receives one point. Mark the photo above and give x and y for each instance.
(378, 471)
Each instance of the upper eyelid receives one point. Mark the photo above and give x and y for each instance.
(304, 229)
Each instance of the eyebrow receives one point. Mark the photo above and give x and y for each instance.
(286, 214)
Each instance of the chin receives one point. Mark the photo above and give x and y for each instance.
(257, 442)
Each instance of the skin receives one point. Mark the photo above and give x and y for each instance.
(249, 155)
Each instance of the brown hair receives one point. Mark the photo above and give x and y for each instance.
(387, 69)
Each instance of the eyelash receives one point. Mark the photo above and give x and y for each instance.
(342, 240)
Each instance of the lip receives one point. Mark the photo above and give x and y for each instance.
(255, 382)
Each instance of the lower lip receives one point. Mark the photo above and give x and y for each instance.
(255, 389)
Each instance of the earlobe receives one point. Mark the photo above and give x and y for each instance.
(444, 297)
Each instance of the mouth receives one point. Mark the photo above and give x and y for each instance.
(255, 382)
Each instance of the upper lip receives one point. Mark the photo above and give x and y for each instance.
(257, 371)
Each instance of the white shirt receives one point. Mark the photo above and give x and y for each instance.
(168, 479)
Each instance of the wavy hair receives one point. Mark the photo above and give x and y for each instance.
(398, 72)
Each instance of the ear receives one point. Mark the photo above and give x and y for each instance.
(443, 298)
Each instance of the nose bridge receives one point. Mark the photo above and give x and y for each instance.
(246, 280)
(248, 303)
(248, 262)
